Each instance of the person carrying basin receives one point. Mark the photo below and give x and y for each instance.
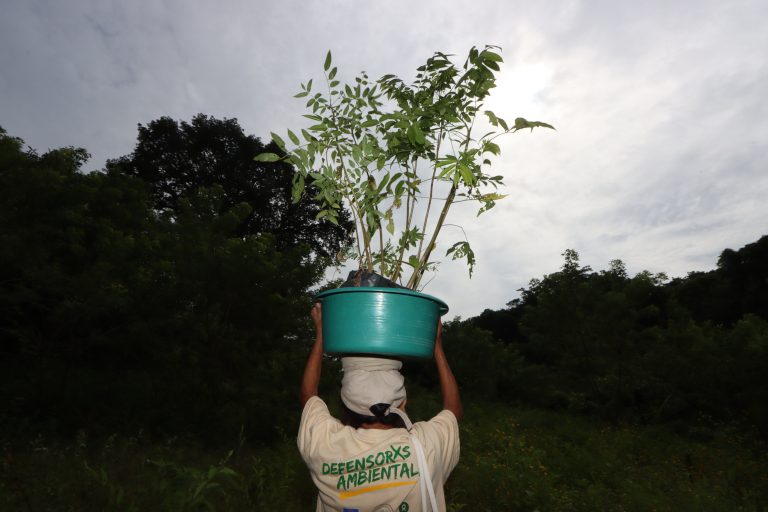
(376, 459)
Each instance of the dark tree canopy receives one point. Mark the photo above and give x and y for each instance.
(635, 347)
(738, 286)
(176, 158)
(113, 318)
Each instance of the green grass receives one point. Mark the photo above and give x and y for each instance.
(512, 460)
(135, 475)
(531, 460)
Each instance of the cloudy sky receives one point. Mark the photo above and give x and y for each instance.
(660, 156)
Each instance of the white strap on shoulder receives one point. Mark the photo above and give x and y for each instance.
(425, 479)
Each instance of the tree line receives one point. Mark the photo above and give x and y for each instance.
(168, 292)
(691, 351)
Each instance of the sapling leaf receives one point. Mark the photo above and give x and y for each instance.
(278, 140)
(466, 174)
(492, 147)
(463, 250)
(297, 190)
(266, 157)
(489, 55)
(493, 197)
(383, 183)
(418, 135)
(521, 123)
(327, 63)
(296, 158)
(447, 160)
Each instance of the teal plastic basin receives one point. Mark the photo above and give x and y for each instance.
(380, 321)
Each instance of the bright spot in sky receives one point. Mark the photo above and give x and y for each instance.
(519, 90)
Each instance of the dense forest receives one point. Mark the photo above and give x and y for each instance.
(154, 313)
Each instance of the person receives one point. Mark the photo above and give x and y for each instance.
(378, 461)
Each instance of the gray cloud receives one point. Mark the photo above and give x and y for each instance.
(659, 158)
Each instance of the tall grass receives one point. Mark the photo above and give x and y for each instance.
(512, 459)
(530, 460)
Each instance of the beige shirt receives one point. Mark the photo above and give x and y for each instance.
(374, 470)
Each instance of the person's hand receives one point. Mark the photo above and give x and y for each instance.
(439, 337)
(317, 316)
(311, 379)
(448, 386)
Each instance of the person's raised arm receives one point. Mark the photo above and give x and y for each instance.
(311, 379)
(448, 386)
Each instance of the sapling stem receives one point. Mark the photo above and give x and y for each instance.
(381, 249)
(416, 277)
(409, 204)
(431, 190)
(353, 204)
(424, 259)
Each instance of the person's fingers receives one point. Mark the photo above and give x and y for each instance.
(316, 312)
